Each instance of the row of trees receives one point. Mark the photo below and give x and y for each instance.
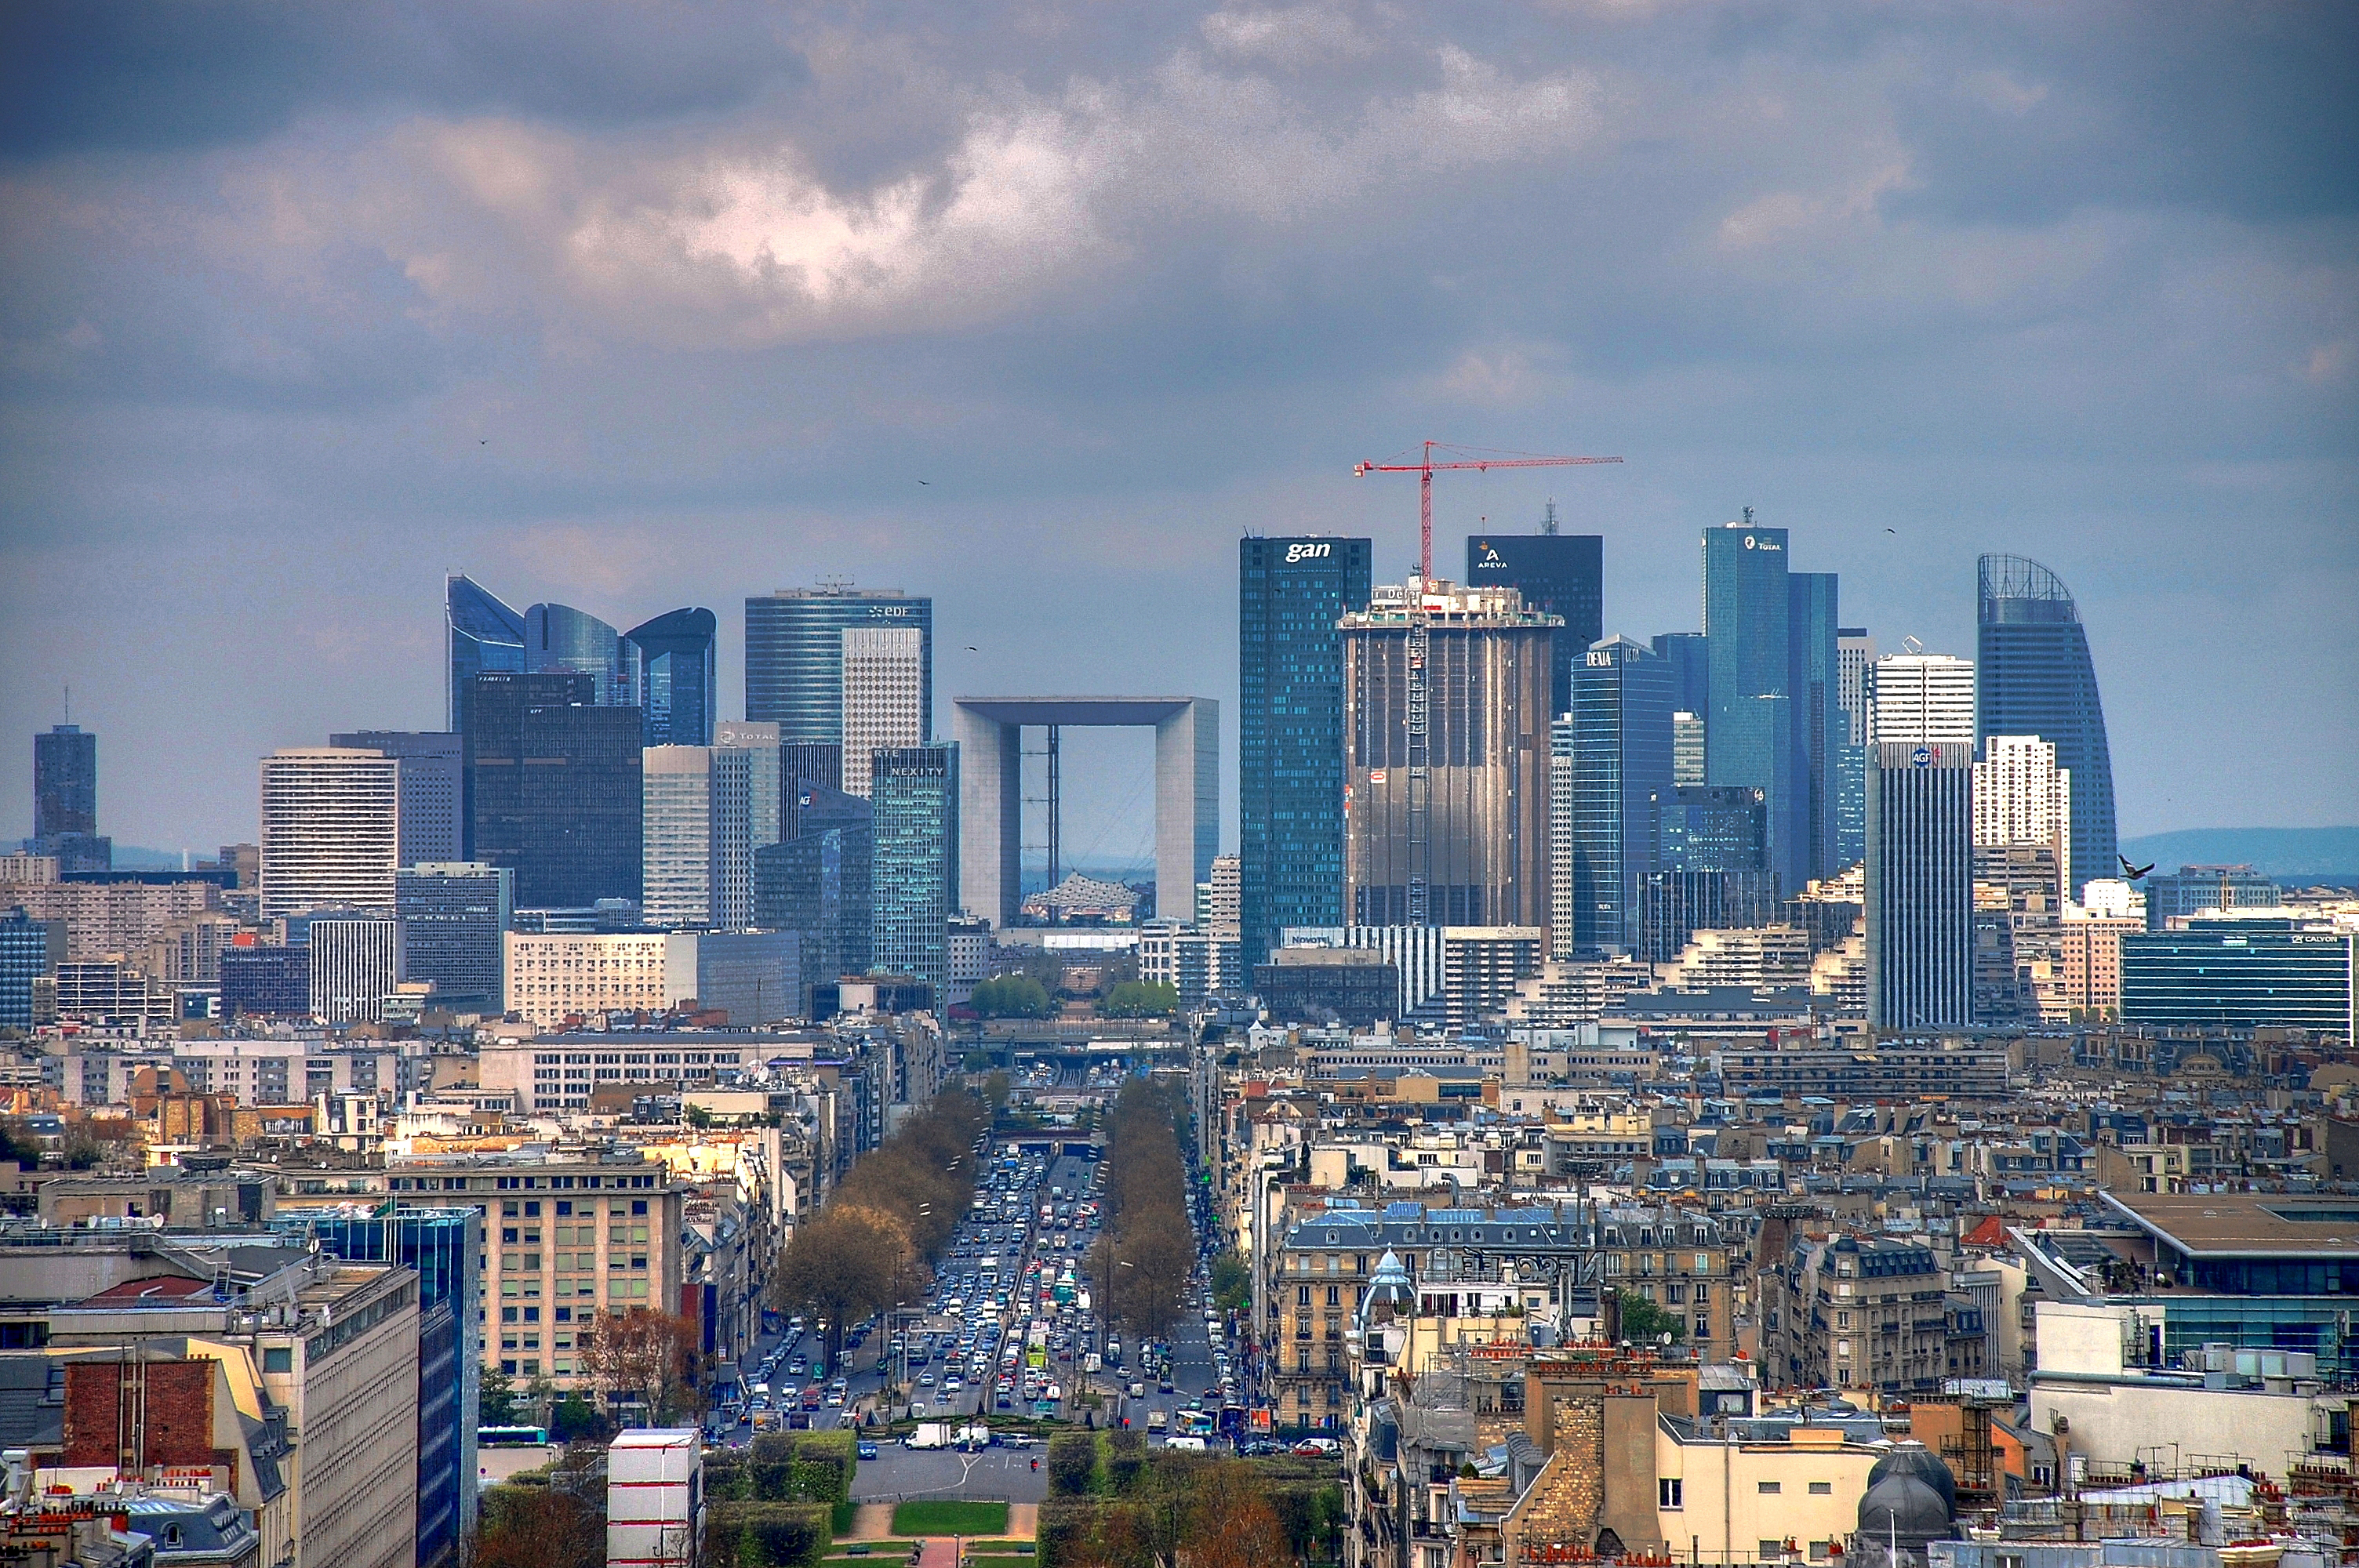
(870, 1247)
(1113, 1503)
(1147, 1249)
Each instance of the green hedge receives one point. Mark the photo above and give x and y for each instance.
(1073, 1463)
(754, 1534)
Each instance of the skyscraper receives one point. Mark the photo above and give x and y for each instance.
(1446, 775)
(1621, 764)
(818, 885)
(884, 696)
(1751, 717)
(481, 634)
(1291, 592)
(1855, 651)
(2022, 798)
(561, 640)
(681, 842)
(1711, 868)
(1813, 675)
(794, 655)
(914, 802)
(552, 789)
(766, 802)
(1689, 655)
(453, 915)
(65, 782)
(1920, 696)
(357, 962)
(65, 800)
(431, 788)
(2035, 678)
(673, 679)
(1920, 884)
(1557, 574)
(331, 830)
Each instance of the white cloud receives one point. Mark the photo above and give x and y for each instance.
(1294, 36)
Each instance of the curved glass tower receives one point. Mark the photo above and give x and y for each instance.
(672, 660)
(2033, 676)
(484, 634)
(559, 639)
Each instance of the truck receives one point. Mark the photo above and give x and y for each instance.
(973, 1438)
(1156, 1420)
(931, 1435)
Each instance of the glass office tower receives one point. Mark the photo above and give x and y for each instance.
(1710, 868)
(794, 655)
(1622, 698)
(1290, 594)
(483, 634)
(1750, 715)
(1558, 574)
(560, 639)
(913, 801)
(2033, 676)
(1920, 884)
(570, 820)
(1688, 654)
(1821, 730)
(818, 885)
(453, 915)
(673, 675)
(2251, 973)
(65, 782)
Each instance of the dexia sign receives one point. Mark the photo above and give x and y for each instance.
(1307, 553)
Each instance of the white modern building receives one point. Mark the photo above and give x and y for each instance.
(1921, 698)
(331, 829)
(765, 777)
(1855, 655)
(654, 1497)
(356, 963)
(696, 850)
(884, 696)
(2021, 797)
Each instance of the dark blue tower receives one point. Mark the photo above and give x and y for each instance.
(1291, 592)
(1563, 574)
(1621, 700)
(2033, 676)
(484, 634)
(674, 657)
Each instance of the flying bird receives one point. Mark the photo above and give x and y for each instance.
(1892, 531)
(972, 649)
(2133, 873)
(925, 482)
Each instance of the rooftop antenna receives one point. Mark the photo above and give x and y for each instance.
(1548, 516)
(1748, 517)
(69, 713)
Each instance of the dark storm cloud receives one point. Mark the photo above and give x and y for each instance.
(635, 305)
(161, 75)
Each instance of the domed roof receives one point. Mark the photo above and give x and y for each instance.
(1907, 1506)
(1391, 1293)
(1916, 1459)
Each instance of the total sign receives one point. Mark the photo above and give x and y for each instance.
(1307, 553)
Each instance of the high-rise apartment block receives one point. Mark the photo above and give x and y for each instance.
(1917, 697)
(1621, 734)
(453, 914)
(2036, 677)
(1291, 594)
(356, 964)
(432, 788)
(914, 803)
(331, 830)
(671, 663)
(1920, 885)
(884, 696)
(552, 789)
(1557, 574)
(794, 655)
(1446, 763)
(2021, 797)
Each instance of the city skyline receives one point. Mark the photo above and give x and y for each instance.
(356, 361)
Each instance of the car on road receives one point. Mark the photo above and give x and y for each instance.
(866, 1449)
(1318, 1447)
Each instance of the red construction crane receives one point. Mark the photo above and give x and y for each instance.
(1477, 457)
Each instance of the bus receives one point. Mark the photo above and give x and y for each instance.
(512, 1437)
(1196, 1423)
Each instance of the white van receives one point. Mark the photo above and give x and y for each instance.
(1184, 1440)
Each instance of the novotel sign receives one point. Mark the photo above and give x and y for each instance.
(1307, 553)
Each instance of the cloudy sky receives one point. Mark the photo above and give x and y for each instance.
(633, 306)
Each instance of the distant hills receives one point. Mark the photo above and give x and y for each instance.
(2289, 854)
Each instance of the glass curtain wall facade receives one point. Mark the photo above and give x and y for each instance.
(2034, 676)
(65, 782)
(553, 788)
(1291, 592)
(1920, 885)
(671, 660)
(559, 639)
(818, 885)
(2257, 972)
(1622, 698)
(913, 801)
(1710, 870)
(1750, 718)
(1557, 574)
(794, 655)
(482, 634)
(452, 913)
(1820, 729)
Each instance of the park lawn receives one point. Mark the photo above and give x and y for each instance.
(974, 1562)
(950, 1519)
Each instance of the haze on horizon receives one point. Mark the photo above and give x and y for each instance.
(305, 305)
